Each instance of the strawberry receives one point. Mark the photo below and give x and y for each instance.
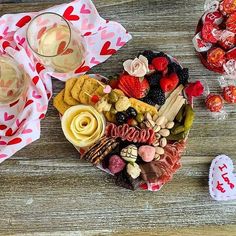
(160, 63)
(133, 86)
(169, 83)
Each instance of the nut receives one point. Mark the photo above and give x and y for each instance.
(156, 128)
(164, 132)
(170, 125)
(163, 142)
(157, 157)
(160, 120)
(160, 150)
(163, 126)
(147, 124)
(156, 143)
(158, 136)
(148, 116)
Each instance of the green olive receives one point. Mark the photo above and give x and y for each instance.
(113, 97)
(113, 110)
(139, 117)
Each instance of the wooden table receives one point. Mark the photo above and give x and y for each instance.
(46, 190)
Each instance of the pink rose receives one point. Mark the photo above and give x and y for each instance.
(137, 67)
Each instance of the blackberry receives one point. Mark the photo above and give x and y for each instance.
(157, 96)
(183, 75)
(149, 101)
(154, 79)
(173, 68)
(150, 55)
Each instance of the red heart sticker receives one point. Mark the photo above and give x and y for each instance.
(39, 67)
(35, 80)
(2, 127)
(28, 102)
(106, 50)
(68, 14)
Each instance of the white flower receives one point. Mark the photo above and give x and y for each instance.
(137, 67)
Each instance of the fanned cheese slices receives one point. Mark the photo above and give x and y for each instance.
(83, 125)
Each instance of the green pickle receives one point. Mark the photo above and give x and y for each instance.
(177, 137)
(180, 114)
(189, 118)
(178, 129)
(113, 97)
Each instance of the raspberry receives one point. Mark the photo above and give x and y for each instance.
(154, 79)
(160, 63)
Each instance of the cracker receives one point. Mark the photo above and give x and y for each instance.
(67, 95)
(75, 91)
(59, 103)
(89, 86)
(142, 107)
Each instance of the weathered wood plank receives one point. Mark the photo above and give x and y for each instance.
(46, 190)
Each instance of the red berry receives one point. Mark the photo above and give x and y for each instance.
(151, 67)
(169, 83)
(160, 63)
(95, 99)
(133, 86)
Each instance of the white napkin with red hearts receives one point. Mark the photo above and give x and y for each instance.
(222, 180)
(20, 121)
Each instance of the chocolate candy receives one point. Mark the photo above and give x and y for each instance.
(100, 150)
(129, 153)
(214, 102)
(216, 57)
(229, 94)
(231, 23)
(228, 6)
(227, 39)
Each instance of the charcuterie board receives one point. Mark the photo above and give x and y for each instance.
(133, 126)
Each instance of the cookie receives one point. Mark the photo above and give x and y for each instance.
(59, 103)
(142, 107)
(75, 91)
(67, 95)
(89, 87)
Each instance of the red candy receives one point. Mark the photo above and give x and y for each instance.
(215, 17)
(116, 164)
(229, 94)
(228, 6)
(227, 39)
(231, 23)
(214, 102)
(209, 31)
(216, 57)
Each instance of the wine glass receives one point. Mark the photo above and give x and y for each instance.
(55, 42)
(13, 81)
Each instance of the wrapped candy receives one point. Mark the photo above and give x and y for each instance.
(210, 32)
(231, 23)
(216, 57)
(228, 89)
(227, 39)
(214, 103)
(228, 6)
(213, 17)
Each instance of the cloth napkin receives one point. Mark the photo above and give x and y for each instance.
(20, 121)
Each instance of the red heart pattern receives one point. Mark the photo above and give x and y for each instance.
(23, 21)
(106, 50)
(68, 14)
(34, 105)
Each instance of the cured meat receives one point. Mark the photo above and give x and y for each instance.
(161, 171)
(131, 134)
